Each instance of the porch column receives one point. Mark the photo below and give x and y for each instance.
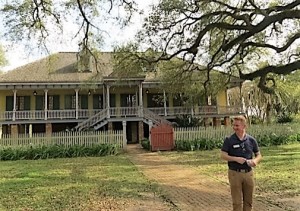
(216, 122)
(15, 104)
(124, 135)
(141, 131)
(107, 101)
(14, 130)
(46, 103)
(103, 96)
(150, 126)
(206, 121)
(141, 100)
(226, 121)
(165, 103)
(110, 126)
(48, 129)
(77, 104)
(30, 130)
(1, 131)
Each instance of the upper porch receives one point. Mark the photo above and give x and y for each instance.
(114, 113)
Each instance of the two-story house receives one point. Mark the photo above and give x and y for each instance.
(60, 93)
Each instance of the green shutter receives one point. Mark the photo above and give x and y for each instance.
(39, 99)
(84, 102)
(68, 101)
(96, 102)
(9, 103)
(112, 101)
(26, 103)
(55, 102)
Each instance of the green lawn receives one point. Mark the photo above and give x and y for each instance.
(71, 184)
(112, 182)
(278, 173)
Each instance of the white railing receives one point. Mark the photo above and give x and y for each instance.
(156, 119)
(92, 120)
(65, 138)
(123, 111)
(116, 112)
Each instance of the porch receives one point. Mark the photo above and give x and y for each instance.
(79, 115)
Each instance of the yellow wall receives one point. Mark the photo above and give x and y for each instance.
(222, 98)
(3, 100)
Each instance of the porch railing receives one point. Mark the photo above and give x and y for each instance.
(116, 112)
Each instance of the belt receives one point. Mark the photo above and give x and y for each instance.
(242, 170)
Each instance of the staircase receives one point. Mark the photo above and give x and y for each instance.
(100, 119)
(156, 119)
(96, 121)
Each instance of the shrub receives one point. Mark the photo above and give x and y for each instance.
(146, 144)
(285, 117)
(57, 151)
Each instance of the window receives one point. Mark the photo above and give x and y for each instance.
(128, 100)
(70, 102)
(156, 100)
(53, 102)
(97, 101)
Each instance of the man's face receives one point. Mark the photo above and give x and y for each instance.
(238, 126)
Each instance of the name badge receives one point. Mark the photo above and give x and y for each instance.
(236, 146)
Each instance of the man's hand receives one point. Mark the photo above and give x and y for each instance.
(251, 163)
(240, 160)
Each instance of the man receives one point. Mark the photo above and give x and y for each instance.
(238, 150)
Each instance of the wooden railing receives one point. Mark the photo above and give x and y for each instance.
(92, 120)
(116, 112)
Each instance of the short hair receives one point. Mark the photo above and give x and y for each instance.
(241, 118)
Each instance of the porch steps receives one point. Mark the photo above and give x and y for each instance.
(100, 119)
(101, 124)
(90, 122)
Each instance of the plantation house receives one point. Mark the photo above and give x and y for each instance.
(65, 91)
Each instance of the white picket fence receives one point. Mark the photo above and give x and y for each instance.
(117, 137)
(185, 134)
(66, 139)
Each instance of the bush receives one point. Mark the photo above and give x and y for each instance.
(146, 144)
(284, 118)
(57, 151)
(198, 144)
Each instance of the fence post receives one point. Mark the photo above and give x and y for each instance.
(150, 127)
(124, 135)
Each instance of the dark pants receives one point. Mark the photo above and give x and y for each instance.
(242, 189)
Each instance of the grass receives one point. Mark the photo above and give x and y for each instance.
(278, 173)
(103, 183)
(112, 182)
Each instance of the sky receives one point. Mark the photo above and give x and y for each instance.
(19, 54)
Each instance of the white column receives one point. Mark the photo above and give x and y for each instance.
(0, 131)
(150, 126)
(141, 94)
(107, 101)
(30, 130)
(77, 104)
(141, 100)
(15, 104)
(46, 103)
(165, 103)
(103, 96)
(124, 135)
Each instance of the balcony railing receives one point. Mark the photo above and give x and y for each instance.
(117, 112)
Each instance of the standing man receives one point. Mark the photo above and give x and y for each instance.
(238, 150)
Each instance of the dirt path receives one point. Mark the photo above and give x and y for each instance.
(184, 186)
